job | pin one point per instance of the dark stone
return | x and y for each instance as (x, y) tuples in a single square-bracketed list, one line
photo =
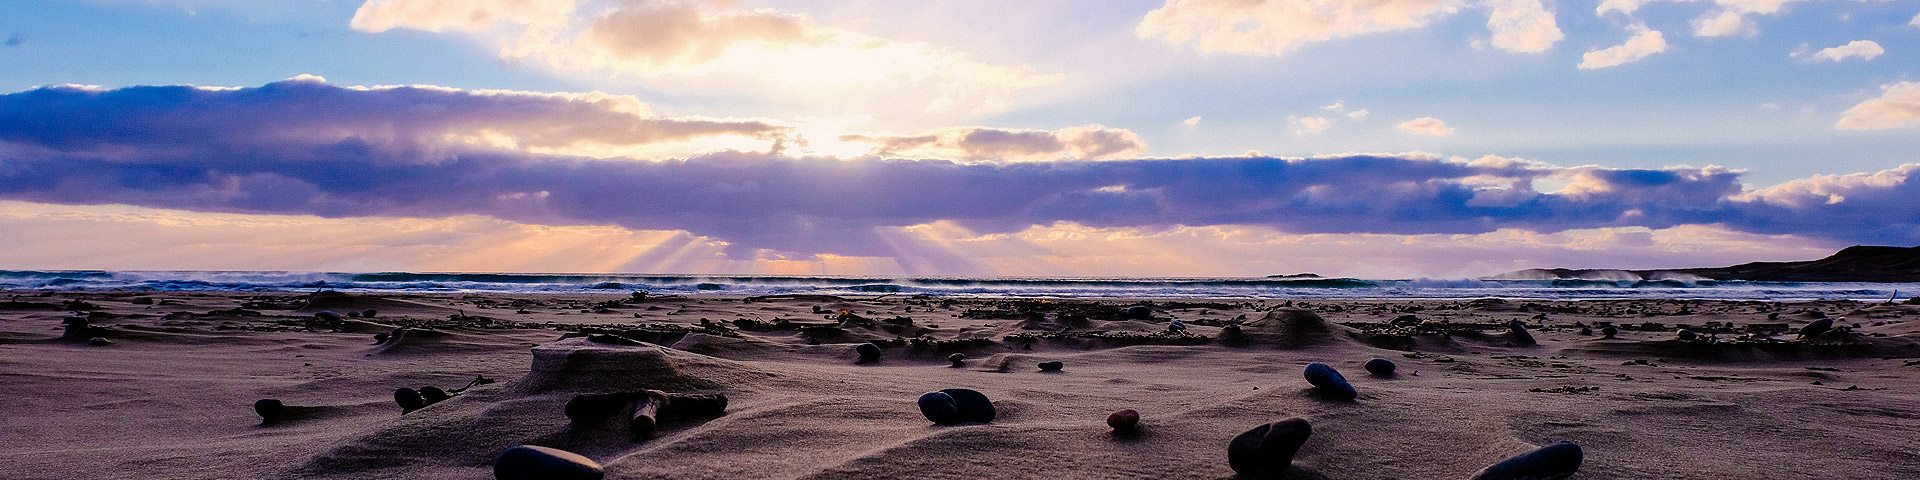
[(1609, 331), (1555, 461), (1268, 450), (958, 359), (1519, 331), (1816, 328), (956, 405), (940, 408), (1124, 420), (532, 462), (327, 315), (1139, 312), (1687, 335), (370, 313), (1177, 327), (270, 410), (1329, 382), (77, 328), (1380, 367), (1051, 366), (433, 395), (869, 353), (409, 400)]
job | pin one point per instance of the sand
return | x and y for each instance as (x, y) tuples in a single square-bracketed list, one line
[(172, 396)]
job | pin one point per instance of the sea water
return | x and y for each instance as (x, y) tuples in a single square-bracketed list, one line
[(1084, 287)]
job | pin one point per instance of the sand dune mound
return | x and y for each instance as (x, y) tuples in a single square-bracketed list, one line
[(1288, 328), (420, 341), (579, 364), (342, 303)]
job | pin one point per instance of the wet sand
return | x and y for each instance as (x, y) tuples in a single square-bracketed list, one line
[(171, 396)]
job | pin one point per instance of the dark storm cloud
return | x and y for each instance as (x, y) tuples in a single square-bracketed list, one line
[(309, 148)]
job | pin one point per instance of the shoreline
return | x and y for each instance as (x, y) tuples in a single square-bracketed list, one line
[(182, 369)]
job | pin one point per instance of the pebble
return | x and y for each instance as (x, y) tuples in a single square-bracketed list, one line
[(409, 400), (1688, 335), (369, 313), (1609, 331), (1816, 328), (1329, 382), (1177, 327), (958, 359), (1380, 367), (1123, 420), (269, 409), (1520, 335), (1268, 449), (533, 462), (956, 405), (1139, 312), (77, 327), (1051, 366), (327, 315), (1559, 460), (869, 353)]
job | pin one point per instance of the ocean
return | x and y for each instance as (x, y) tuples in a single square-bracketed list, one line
[(1103, 287)]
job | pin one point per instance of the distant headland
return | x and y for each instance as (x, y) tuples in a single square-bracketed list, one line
[(1851, 264)]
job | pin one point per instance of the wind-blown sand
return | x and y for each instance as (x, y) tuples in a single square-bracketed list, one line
[(172, 396)]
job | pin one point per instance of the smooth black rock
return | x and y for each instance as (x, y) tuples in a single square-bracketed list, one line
[(327, 315), (1329, 382), (1609, 331), (77, 328), (1816, 328), (1519, 331), (956, 405), (1551, 462), (869, 353), (1268, 450), (369, 313), (433, 395), (533, 462), (409, 400), (270, 410), (1380, 367), (1177, 326), (958, 359), (1139, 312), (1687, 335), (1052, 366)]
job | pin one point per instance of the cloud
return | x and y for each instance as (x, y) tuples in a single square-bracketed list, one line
[(305, 111), (14, 40), (469, 15), (1915, 21), (1358, 115), (1898, 106), (1191, 121), (1274, 27), (1309, 125), (1091, 142), (1865, 49), (1522, 26), (306, 148), (702, 47), (1729, 19), (1426, 126), (1724, 23), (1645, 42)]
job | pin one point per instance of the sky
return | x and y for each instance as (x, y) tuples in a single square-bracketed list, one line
[(1372, 139)]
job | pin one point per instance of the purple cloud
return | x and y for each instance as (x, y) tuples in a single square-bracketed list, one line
[(302, 147)]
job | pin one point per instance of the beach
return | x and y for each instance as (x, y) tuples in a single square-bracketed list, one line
[(157, 384)]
